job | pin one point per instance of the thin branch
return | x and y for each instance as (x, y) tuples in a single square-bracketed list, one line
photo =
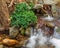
[(11, 3)]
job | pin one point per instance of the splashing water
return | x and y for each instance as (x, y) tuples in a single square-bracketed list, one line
[(49, 18), (37, 39), (42, 39), (32, 42), (55, 42), (56, 39)]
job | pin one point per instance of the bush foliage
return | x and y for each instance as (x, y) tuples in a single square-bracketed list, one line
[(23, 16)]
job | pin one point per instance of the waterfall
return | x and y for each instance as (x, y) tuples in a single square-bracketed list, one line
[(55, 42), (56, 39), (37, 39)]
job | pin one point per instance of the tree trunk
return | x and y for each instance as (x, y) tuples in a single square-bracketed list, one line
[(4, 15)]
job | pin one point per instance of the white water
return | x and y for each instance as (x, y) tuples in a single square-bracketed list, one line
[(55, 42), (56, 39), (49, 18), (37, 39), (42, 39), (32, 42)]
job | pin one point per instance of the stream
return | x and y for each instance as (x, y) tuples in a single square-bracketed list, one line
[(38, 38)]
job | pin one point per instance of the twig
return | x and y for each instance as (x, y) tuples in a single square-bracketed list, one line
[(11, 3)]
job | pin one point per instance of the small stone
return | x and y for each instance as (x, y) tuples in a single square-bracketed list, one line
[(13, 32), (28, 32)]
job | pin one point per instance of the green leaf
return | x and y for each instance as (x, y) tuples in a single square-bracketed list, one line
[(23, 16)]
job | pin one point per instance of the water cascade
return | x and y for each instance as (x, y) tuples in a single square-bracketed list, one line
[(55, 42), (37, 40)]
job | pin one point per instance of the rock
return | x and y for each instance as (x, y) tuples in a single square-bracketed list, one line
[(57, 23), (22, 39), (9, 42), (48, 2), (28, 31), (13, 32), (50, 25)]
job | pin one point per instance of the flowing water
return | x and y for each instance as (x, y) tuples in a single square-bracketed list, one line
[(56, 39), (38, 39), (55, 42)]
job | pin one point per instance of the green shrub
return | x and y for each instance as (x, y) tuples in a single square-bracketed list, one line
[(23, 16)]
